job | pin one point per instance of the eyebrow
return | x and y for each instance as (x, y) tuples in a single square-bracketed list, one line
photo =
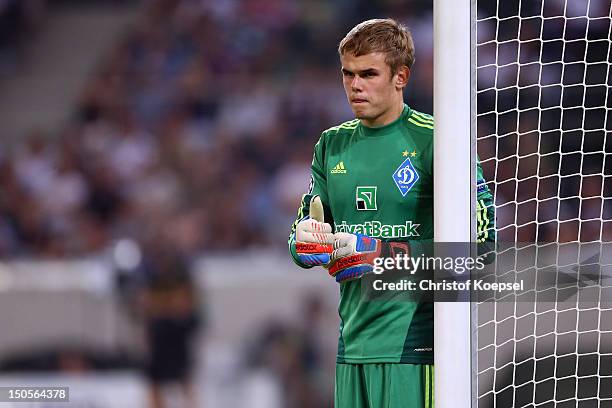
[(362, 72)]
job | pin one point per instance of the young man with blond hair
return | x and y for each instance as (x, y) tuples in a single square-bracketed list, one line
[(370, 196)]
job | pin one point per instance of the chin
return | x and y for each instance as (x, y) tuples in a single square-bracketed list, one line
[(360, 113)]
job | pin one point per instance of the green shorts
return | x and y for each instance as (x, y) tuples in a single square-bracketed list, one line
[(384, 386)]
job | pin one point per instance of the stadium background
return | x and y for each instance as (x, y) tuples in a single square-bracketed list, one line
[(142, 140), (154, 152)]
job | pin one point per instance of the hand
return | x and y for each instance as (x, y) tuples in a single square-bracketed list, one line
[(313, 236), (354, 255)]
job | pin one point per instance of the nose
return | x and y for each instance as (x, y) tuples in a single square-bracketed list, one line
[(356, 84)]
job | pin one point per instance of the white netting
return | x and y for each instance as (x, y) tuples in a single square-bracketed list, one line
[(543, 120)]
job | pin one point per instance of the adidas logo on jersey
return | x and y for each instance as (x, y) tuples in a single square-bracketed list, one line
[(339, 169)]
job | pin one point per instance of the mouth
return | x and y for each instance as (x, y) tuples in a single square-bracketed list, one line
[(358, 100)]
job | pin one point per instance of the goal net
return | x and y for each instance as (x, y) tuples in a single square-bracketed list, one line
[(542, 119)]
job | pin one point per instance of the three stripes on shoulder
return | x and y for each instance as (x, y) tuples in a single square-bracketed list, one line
[(421, 119), (351, 124)]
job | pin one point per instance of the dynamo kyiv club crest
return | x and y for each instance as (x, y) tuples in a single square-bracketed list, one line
[(405, 177)]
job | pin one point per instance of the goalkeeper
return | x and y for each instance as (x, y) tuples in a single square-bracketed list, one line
[(371, 194)]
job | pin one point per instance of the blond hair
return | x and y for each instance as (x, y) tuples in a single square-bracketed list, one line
[(386, 36)]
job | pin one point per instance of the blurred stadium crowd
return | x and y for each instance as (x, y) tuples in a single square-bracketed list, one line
[(197, 129)]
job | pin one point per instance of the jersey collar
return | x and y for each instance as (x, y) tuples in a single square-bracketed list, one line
[(388, 128)]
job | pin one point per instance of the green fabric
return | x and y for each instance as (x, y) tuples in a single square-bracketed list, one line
[(355, 171), (384, 386)]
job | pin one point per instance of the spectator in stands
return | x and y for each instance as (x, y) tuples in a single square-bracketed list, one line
[(170, 307)]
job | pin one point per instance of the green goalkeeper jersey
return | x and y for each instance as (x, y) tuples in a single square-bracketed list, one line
[(379, 182)]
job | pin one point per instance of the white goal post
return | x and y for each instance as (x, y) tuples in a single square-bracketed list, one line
[(454, 189)]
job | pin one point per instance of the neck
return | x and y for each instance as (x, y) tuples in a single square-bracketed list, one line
[(390, 115)]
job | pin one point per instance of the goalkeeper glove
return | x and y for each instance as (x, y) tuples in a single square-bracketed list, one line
[(314, 238), (354, 255)]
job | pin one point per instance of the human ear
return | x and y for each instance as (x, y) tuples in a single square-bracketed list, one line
[(402, 77)]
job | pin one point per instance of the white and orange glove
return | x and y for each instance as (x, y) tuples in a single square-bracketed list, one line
[(313, 236), (354, 255)]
